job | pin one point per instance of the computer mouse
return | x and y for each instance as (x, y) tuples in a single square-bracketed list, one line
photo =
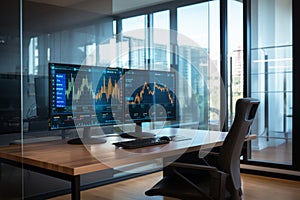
[(167, 138)]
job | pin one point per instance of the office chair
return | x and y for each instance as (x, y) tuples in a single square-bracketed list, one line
[(216, 176)]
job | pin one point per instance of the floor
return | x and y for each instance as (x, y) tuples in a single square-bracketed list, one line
[(276, 152), (254, 188)]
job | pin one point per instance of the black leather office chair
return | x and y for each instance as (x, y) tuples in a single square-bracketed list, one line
[(217, 176)]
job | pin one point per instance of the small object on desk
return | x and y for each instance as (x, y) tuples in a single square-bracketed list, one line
[(167, 138), (138, 143)]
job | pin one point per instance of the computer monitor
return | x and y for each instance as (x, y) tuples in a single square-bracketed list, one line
[(149, 97), (83, 97)]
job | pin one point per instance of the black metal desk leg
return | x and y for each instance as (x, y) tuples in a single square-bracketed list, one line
[(75, 187)]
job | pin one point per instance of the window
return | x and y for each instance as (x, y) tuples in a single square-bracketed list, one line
[(235, 57), (198, 63), (132, 52), (33, 56), (271, 79), (160, 46)]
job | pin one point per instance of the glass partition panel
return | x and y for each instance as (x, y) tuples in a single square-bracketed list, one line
[(161, 41), (76, 33), (271, 80), (58, 32), (235, 57), (11, 77), (198, 62), (134, 37)]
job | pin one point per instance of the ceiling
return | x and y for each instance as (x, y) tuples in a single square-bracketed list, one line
[(93, 6), (102, 6), (50, 15), (120, 6)]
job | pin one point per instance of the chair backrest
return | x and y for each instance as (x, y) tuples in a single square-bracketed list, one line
[(229, 159)]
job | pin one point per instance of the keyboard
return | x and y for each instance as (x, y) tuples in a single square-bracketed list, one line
[(138, 143)]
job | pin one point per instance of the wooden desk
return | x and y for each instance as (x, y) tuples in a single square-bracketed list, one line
[(68, 162)]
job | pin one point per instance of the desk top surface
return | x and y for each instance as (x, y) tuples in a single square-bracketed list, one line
[(80, 159)]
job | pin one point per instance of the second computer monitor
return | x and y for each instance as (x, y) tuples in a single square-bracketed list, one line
[(149, 96)]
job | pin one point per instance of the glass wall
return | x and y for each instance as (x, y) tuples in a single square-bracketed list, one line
[(271, 79), (134, 42), (192, 52), (10, 70), (161, 59), (198, 64), (270, 75), (11, 78), (79, 33), (235, 56), (32, 34)]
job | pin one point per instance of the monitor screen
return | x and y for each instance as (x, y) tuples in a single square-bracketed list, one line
[(84, 96), (109, 97), (150, 96)]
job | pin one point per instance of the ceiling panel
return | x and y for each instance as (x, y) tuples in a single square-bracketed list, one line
[(103, 6), (119, 6)]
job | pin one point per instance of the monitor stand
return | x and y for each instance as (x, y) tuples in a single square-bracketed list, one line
[(87, 138), (138, 133)]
